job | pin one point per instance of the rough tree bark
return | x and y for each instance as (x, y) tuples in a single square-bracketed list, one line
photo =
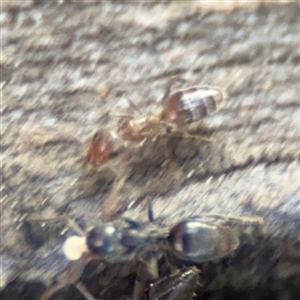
[(66, 66)]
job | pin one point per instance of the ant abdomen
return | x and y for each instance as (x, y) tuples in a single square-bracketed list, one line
[(197, 241), (192, 104)]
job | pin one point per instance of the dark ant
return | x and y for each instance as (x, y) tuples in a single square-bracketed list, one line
[(193, 241)]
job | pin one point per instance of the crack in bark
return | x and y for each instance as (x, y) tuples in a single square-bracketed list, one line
[(250, 163)]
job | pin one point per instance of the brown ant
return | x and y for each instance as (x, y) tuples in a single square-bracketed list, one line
[(179, 109)]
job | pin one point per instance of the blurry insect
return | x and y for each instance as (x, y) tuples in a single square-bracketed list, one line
[(179, 109), (193, 240)]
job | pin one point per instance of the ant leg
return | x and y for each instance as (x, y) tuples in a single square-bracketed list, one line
[(74, 273), (236, 220), (150, 212), (83, 290), (140, 284), (169, 85), (51, 291), (170, 164), (127, 116), (138, 290), (171, 266), (187, 135), (134, 145), (173, 131), (109, 208), (134, 106), (72, 278), (152, 266), (80, 287)]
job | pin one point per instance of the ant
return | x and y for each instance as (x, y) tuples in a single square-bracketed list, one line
[(192, 241), (179, 109)]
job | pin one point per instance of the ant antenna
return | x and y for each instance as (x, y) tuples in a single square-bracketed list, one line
[(169, 85), (134, 106), (150, 212)]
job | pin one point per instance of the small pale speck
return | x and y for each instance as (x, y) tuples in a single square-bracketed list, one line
[(190, 174), (74, 247), (51, 122), (209, 180)]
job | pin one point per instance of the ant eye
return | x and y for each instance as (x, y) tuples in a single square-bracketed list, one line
[(169, 130), (114, 154)]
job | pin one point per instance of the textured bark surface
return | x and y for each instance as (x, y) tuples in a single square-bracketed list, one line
[(65, 67)]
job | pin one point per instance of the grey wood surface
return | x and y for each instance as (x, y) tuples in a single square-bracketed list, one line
[(66, 67)]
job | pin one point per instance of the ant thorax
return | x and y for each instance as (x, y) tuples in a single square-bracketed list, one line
[(136, 130)]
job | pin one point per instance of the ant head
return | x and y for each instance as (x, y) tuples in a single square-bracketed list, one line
[(101, 149), (104, 240)]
